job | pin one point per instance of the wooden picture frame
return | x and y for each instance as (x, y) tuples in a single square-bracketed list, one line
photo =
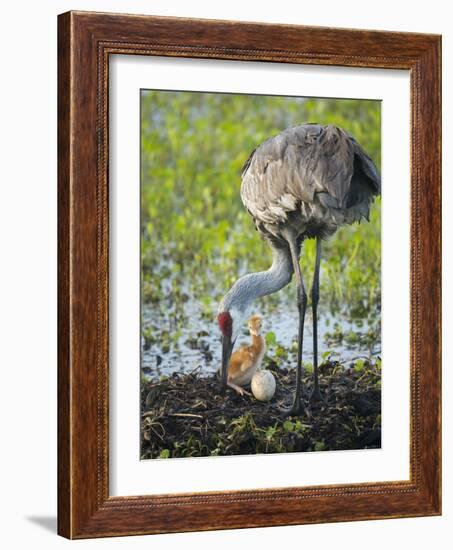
[(85, 42)]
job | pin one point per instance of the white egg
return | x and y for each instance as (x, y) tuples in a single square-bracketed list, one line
[(263, 385)]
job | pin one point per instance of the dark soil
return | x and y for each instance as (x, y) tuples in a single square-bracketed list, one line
[(185, 415)]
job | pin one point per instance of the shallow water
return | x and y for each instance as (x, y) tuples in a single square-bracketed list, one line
[(197, 346)]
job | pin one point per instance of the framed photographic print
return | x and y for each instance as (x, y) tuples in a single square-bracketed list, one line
[(249, 275)]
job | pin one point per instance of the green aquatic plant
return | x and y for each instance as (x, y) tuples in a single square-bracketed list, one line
[(195, 231)]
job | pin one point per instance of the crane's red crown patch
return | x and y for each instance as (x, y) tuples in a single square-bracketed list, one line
[(225, 323)]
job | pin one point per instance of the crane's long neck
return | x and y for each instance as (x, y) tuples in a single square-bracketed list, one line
[(254, 285)]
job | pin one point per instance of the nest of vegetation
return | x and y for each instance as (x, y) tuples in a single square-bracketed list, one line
[(185, 415)]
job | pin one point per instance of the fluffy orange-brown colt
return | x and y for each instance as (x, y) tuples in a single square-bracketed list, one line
[(247, 359)]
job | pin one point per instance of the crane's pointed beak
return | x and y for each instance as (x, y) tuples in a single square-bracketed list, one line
[(227, 348)]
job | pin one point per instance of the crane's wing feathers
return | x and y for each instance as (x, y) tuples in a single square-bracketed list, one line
[(306, 167)]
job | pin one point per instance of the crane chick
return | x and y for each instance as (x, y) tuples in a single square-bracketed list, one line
[(247, 359)]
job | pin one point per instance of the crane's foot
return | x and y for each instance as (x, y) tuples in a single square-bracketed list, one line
[(316, 396), (296, 409), (239, 389)]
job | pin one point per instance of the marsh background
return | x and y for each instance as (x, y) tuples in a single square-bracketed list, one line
[(197, 238)]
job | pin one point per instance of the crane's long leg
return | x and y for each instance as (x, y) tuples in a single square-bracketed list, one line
[(316, 394), (297, 406)]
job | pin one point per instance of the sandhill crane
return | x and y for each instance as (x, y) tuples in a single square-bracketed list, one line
[(302, 184)]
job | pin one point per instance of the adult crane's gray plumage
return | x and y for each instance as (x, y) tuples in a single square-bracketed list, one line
[(303, 183)]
